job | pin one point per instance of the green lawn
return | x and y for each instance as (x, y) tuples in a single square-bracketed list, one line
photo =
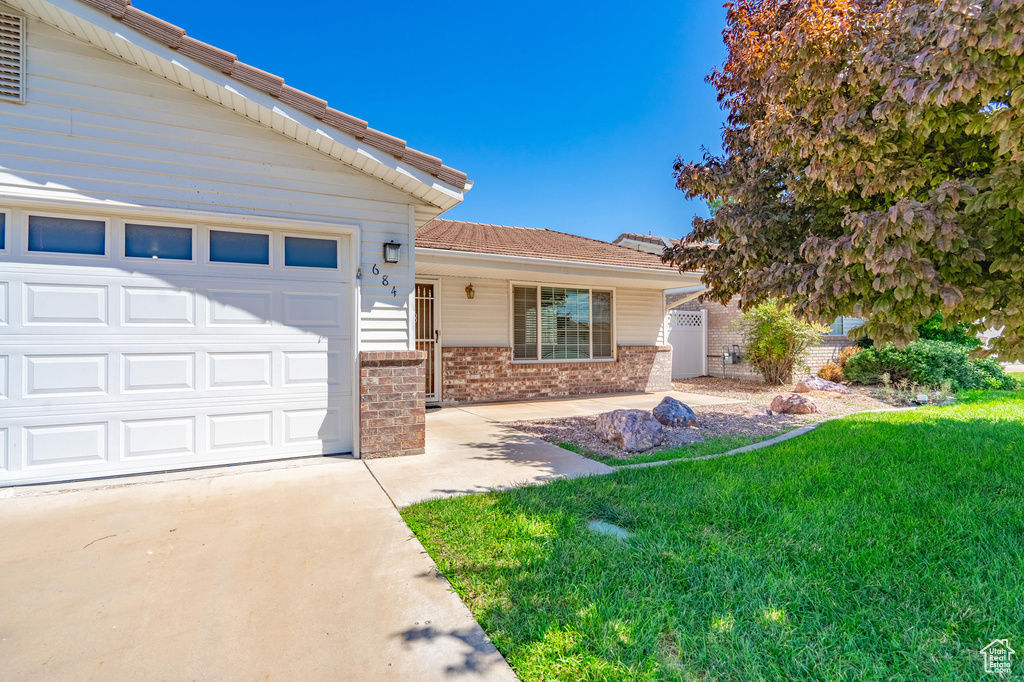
[(711, 446), (880, 546)]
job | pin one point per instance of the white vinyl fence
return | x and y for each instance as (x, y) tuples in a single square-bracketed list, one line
[(688, 336)]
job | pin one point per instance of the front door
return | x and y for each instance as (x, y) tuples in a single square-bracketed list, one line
[(428, 335)]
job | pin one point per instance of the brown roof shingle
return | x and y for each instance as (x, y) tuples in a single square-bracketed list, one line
[(175, 38), (531, 242)]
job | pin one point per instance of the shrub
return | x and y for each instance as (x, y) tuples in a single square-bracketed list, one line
[(960, 334), (776, 341), (929, 363), (833, 370)]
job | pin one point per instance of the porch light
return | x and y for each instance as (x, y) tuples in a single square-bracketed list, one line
[(392, 251), (469, 291)]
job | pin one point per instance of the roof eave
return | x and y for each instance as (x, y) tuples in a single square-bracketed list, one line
[(668, 277), (114, 37)]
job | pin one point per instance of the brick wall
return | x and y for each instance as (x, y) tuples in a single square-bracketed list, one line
[(392, 414), (487, 373), (723, 331)]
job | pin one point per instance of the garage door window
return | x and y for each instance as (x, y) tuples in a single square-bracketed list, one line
[(3, 231), (304, 252), (67, 235), (239, 247), (157, 241)]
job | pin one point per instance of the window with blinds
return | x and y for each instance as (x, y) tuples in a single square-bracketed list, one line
[(561, 323), (12, 62)]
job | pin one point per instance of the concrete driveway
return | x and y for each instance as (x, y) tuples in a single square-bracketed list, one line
[(299, 571)]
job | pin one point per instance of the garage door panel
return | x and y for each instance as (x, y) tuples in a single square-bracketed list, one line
[(65, 375), (239, 370), (320, 368), (232, 431), (144, 438), (5, 361), (65, 305), (82, 443), (311, 425), (158, 306), (4, 305), (309, 309), (150, 372), (238, 308)]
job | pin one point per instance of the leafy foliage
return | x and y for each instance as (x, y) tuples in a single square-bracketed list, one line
[(872, 165), (960, 334), (929, 363), (776, 340)]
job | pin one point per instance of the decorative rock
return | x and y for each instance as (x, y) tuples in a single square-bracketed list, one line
[(758, 412), (671, 412), (922, 398), (631, 430), (793, 403), (811, 383)]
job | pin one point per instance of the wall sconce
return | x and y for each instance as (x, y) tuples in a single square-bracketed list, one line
[(469, 292), (392, 251)]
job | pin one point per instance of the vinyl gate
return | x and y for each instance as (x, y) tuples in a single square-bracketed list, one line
[(688, 336)]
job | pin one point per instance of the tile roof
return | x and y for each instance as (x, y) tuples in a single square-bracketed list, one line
[(531, 242), (226, 62)]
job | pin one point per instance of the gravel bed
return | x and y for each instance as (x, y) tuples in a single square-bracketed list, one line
[(713, 420)]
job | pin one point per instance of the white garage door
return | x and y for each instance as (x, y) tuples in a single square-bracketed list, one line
[(133, 346)]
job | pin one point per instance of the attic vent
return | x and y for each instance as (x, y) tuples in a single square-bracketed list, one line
[(12, 63)]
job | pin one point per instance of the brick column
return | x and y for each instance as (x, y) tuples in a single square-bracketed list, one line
[(392, 407)]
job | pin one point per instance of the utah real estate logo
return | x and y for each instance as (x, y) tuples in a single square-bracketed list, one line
[(997, 657)]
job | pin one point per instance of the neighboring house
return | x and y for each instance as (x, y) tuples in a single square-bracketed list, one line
[(182, 238), (647, 243), (523, 313), (722, 333)]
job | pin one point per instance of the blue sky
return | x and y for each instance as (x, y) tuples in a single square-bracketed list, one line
[(566, 115)]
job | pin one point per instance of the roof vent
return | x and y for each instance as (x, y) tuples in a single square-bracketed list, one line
[(12, 62)]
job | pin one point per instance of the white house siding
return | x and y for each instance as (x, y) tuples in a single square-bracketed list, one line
[(95, 129), (640, 317), (482, 321)]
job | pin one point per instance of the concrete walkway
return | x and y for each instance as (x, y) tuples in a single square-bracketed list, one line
[(303, 571), (467, 453), (469, 450)]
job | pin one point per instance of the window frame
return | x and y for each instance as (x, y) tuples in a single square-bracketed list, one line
[(27, 215), (282, 249), (8, 232), (122, 236), (272, 250), (561, 285), (844, 333)]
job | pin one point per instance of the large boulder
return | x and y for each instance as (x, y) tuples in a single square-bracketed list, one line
[(671, 412), (812, 383), (631, 430), (793, 403)]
